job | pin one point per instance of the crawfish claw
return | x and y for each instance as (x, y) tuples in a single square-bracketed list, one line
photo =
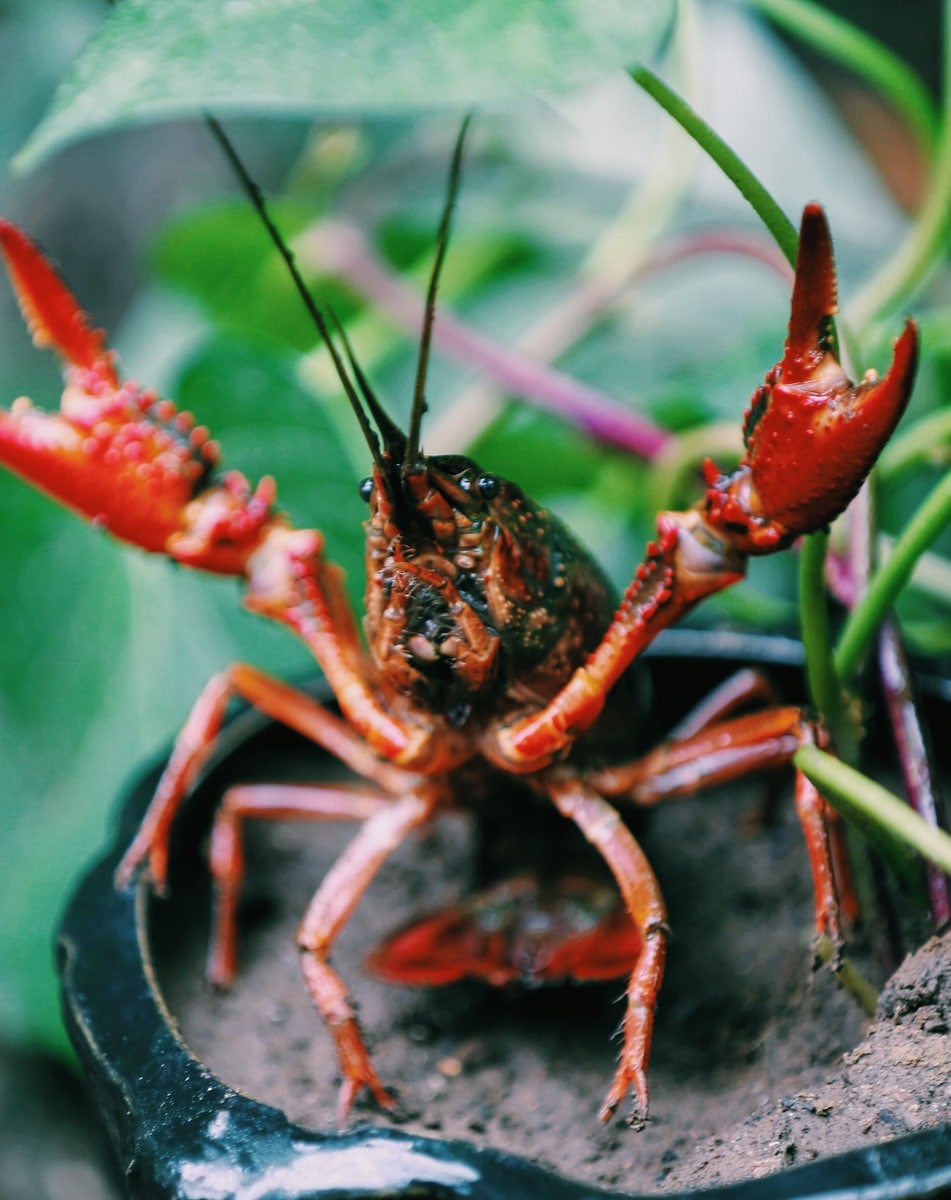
[(117, 453), (114, 452), (811, 435), (49, 309)]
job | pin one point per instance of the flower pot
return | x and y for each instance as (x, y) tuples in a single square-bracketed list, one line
[(217, 1096)]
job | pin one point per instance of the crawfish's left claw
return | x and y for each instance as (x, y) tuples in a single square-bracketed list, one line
[(811, 434), (117, 453), (114, 452), (50, 311)]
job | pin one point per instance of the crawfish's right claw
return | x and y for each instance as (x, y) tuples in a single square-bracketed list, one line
[(115, 453), (119, 454)]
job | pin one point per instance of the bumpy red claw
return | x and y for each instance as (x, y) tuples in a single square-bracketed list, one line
[(811, 435), (116, 453)]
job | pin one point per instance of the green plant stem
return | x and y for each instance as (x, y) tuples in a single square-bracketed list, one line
[(857, 795), (863, 55), (822, 678), (763, 204), (632, 237), (885, 585), (926, 246), (848, 975), (927, 442), (932, 573)]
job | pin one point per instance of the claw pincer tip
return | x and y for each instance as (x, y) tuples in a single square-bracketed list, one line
[(812, 435)]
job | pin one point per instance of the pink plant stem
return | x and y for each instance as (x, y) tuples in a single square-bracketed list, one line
[(721, 241), (914, 755), (847, 576), (342, 250), (840, 580)]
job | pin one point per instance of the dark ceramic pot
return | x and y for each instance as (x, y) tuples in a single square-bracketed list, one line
[(181, 1133)]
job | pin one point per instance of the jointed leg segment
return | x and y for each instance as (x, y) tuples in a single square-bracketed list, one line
[(729, 749), (195, 743), (335, 900), (270, 802), (386, 823), (602, 826)]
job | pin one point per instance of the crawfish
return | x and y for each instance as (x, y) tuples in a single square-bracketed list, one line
[(492, 642)]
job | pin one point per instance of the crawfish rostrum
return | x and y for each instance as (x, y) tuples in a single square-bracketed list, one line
[(491, 642)]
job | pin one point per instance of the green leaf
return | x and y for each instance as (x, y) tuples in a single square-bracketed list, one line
[(873, 808), (222, 257), (156, 59)]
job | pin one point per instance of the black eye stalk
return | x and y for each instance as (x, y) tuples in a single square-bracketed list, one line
[(483, 487), (488, 486)]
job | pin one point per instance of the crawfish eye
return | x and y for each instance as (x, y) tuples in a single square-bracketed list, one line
[(488, 486), (366, 488)]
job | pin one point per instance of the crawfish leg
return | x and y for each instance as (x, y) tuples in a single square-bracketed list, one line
[(811, 437), (334, 901), (738, 690), (728, 750), (825, 844), (269, 802), (602, 826), (685, 564), (196, 741)]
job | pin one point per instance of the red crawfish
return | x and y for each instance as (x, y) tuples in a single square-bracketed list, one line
[(492, 643)]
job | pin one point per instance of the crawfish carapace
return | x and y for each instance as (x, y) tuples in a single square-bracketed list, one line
[(478, 599), (491, 641)]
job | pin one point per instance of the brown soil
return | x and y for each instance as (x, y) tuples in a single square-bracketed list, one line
[(759, 1061)]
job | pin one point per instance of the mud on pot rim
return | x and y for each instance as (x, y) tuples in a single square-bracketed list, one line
[(180, 1133)]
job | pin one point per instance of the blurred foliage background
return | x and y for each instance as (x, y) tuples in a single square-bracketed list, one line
[(585, 226)]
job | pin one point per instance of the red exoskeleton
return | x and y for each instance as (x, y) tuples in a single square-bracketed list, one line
[(492, 643)]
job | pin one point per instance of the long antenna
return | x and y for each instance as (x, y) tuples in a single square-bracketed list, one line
[(393, 437), (257, 199), (422, 365)]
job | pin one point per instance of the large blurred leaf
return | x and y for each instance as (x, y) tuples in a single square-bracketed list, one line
[(162, 58), (221, 256)]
